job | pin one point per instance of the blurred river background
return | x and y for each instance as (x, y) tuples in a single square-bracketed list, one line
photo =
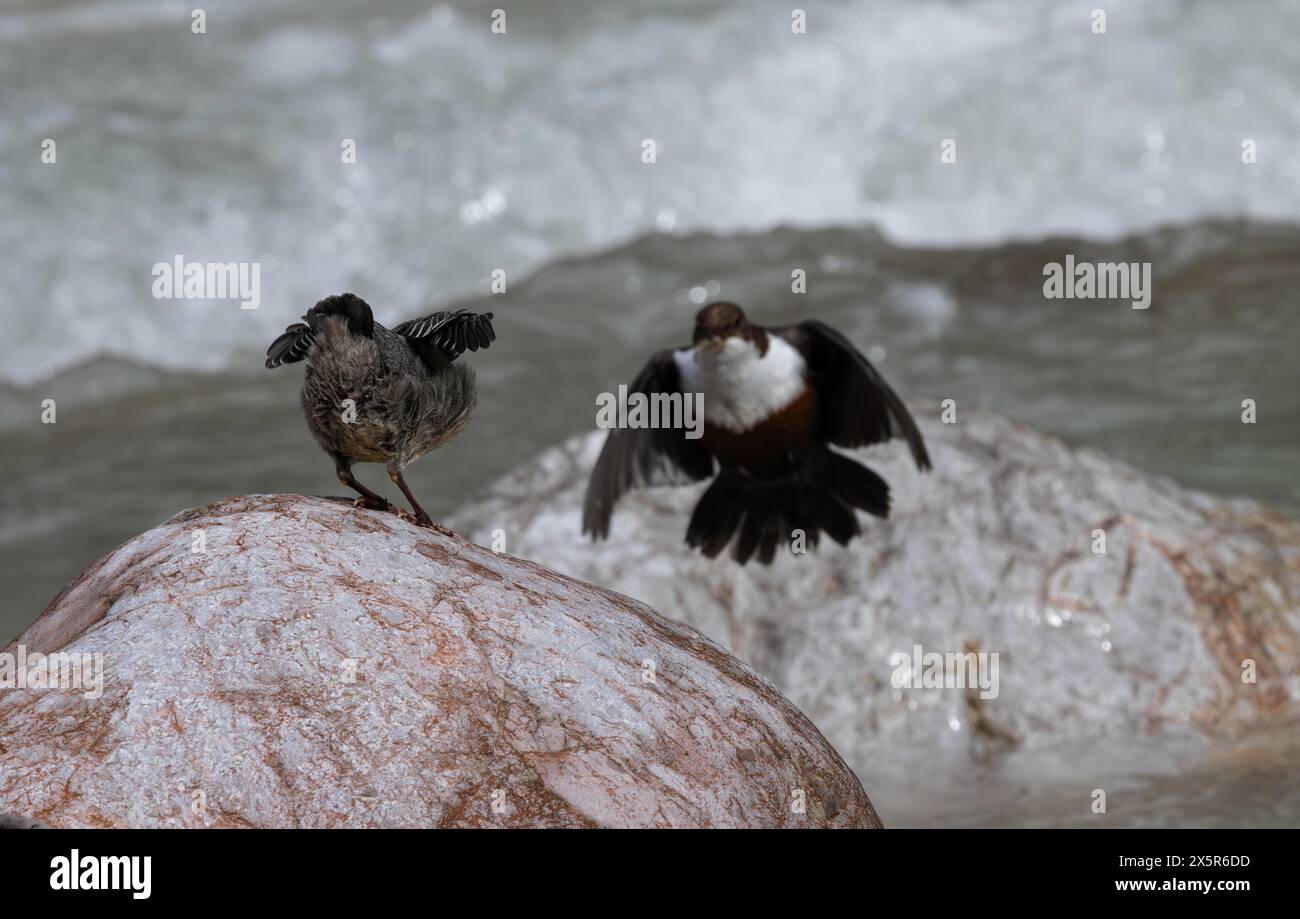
[(522, 152)]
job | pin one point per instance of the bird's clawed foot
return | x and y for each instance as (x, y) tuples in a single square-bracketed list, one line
[(424, 520), (377, 504), (422, 517), (419, 517)]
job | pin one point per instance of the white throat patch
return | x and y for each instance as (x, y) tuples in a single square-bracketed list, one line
[(742, 388)]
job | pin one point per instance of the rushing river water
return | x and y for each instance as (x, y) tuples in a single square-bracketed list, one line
[(1160, 388), (522, 152)]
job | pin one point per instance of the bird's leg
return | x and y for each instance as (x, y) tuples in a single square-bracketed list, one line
[(421, 516), (368, 498)]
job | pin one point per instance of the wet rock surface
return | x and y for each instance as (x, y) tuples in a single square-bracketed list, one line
[(294, 662), (1164, 650)]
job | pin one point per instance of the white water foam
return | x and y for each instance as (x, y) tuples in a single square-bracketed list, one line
[(479, 151)]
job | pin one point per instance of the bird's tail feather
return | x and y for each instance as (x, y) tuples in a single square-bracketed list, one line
[(762, 513)]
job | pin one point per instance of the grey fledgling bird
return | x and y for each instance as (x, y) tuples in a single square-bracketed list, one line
[(374, 395)]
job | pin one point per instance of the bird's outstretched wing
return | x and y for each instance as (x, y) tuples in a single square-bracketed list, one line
[(296, 341), (634, 456), (291, 347), (857, 406), (452, 332)]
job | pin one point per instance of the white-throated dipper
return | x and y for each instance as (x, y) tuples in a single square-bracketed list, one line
[(374, 395), (775, 400)]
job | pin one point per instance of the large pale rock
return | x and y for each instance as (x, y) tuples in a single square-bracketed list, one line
[(1110, 664), (314, 665)]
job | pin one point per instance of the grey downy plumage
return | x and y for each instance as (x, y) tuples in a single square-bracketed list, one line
[(375, 395)]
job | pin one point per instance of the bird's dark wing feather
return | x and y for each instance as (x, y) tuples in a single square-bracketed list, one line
[(291, 347), (857, 406), (295, 343), (633, 456), (452, 332)]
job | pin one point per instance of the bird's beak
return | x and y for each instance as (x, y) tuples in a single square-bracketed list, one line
[(710, 345)]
